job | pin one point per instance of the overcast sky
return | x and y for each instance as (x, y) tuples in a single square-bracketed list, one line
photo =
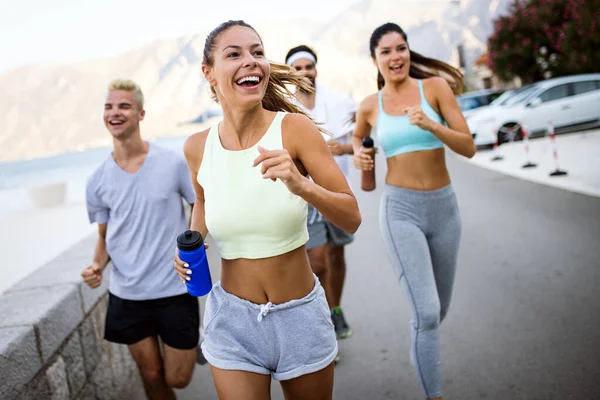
[(70, 30)]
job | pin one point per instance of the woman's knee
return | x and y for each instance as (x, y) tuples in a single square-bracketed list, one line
[(428, 319)]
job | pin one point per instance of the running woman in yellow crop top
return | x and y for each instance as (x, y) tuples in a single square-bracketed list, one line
[(268, 316), (419, 220)]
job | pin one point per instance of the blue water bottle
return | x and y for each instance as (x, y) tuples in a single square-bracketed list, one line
[(191, 250)]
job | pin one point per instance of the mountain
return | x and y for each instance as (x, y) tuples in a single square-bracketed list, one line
[(49, 109), (434, 29)]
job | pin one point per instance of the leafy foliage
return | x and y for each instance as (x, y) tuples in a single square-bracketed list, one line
[(546, 38)]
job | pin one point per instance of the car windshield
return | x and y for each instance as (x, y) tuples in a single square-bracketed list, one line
[(503, 98), (520, 95), (468, 103)]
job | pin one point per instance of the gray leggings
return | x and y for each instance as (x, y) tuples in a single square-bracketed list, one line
[(421, 231)]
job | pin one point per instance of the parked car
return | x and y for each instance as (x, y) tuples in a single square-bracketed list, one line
[(570, 103), (503, 98), (470, 101)]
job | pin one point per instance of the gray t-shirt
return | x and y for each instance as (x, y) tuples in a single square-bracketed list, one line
[(144, 214)]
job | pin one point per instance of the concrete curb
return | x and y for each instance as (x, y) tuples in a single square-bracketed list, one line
[(51, 336), (568, 186), (577, 153)]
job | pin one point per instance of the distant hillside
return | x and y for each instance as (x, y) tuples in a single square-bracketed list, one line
[(50, 109)]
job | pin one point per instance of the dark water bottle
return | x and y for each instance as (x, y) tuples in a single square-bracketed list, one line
[(191, 250), (367, 178)]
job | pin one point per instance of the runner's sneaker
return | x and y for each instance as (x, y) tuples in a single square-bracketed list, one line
[(336, 360), (342, 330)]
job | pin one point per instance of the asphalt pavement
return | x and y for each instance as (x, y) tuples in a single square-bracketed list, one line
[(524, 322)]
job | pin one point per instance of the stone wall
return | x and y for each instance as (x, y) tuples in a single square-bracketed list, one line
[(51, 336)]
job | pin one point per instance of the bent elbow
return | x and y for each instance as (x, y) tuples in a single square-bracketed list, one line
[(472, 151), (469, 151), (354, 222)]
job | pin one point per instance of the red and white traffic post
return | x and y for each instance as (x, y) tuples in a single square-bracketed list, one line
[(495, 155), (528, 164), (557, 171)]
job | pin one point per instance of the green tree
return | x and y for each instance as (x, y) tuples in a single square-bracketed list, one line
[(546, 38)]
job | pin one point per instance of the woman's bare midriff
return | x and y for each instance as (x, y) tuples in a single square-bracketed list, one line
[(419, 170), (276, 279)]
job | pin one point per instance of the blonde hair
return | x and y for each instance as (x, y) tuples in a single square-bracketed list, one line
[(278, 95), (129, 86)]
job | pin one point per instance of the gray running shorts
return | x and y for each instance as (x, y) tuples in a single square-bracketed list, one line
[(321, 231), (283, 340)]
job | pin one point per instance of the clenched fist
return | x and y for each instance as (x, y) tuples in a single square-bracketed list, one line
[(277, 164), (417, 117), (92, 276)]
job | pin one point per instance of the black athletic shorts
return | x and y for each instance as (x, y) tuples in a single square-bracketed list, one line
[(176, 320)]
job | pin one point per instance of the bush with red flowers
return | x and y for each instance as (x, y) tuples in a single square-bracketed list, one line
[(539, 39)]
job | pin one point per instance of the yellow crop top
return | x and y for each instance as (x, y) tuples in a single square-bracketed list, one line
[(248, 216)]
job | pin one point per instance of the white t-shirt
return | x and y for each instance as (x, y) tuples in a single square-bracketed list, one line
[(334, 110)]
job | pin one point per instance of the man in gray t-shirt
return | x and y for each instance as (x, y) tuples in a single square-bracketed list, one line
[(144, 214), (135, 197)]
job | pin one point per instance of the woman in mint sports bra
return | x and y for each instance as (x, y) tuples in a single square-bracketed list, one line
[(267, 317), (415, 115)]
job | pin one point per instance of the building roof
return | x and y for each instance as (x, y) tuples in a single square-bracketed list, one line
[(483, 59)]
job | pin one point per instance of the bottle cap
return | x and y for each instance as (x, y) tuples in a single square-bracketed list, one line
[(189, 240), (368, 143)]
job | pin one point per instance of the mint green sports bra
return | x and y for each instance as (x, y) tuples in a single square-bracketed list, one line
[(248, 216), (398, 136)]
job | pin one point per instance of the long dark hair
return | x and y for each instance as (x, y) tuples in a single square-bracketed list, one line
[(277, 96), (421, 67)]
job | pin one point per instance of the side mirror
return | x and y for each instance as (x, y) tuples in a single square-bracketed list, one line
[(536, 101)]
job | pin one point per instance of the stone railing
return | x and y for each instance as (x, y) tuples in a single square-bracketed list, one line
[(51, 336)]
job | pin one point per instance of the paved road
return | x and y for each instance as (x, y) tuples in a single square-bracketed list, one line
[(525, 318)]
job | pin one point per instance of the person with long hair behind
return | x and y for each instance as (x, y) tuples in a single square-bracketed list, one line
[(268, 315), (415, 115)]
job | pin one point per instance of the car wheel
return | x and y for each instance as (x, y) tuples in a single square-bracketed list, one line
[(509, 133)]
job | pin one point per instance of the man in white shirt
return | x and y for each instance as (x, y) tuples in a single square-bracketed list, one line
[(336, 112)]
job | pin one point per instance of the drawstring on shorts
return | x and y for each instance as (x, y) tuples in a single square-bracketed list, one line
[(264, 310)]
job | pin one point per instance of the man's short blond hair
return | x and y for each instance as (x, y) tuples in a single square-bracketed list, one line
[(129, 86)]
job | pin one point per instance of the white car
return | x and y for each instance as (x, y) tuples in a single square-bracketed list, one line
[(569, 103), (470, 102), (497, 102)]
